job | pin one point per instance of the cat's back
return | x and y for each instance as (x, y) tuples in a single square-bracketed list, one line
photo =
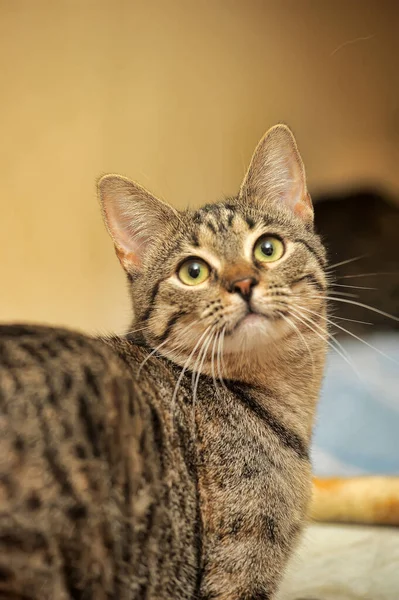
[(62, 381), (84, 460), (60, 417)]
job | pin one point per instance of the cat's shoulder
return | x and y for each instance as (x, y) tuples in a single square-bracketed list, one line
[(54, 348), (29, 344)]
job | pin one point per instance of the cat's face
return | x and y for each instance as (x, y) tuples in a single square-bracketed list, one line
[(238, 275)]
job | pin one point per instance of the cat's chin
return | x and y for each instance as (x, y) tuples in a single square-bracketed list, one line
[(253, 333)]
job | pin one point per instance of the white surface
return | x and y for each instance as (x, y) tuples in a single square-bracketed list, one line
[(344, 562)]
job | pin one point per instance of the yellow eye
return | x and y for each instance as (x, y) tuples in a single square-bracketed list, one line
[(193, 271), (268, 249)]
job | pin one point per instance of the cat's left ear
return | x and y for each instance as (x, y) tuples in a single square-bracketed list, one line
[(277, 174), (134, 218)]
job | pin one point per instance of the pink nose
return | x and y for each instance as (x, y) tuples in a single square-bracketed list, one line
[(244, 286)]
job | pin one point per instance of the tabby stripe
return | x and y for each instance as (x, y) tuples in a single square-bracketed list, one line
[(91, 381), (47, 348), (189, 456), (26, 540), (195, 240), (72, 575), (207, 208), (270, 528), (64, 341), (52, 456), (153, 295), (250, 222), (89, 424), (144, 536), (319, 259), (186, 449), (142, 540), (38, 356), (211, 226), (33, 353), (171, 322), (222, 227), (17, 330), (287, 437), (158, 436)]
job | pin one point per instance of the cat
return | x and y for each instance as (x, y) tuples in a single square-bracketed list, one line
[(172, 462)]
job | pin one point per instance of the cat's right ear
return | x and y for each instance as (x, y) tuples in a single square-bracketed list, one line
[(134, 218), (277, 174)]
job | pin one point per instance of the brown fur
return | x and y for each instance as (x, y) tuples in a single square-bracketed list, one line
[(172, 462)]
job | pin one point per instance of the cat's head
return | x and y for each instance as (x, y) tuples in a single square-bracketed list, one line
[(243, 273)]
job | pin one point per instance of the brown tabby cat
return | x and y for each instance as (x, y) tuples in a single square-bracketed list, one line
[(173, 462)]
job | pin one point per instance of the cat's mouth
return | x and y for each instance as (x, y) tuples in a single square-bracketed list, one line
[(253, 330), (250, 319), (253, 321)]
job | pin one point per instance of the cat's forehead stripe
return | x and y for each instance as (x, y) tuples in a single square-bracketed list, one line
[(219, 218)]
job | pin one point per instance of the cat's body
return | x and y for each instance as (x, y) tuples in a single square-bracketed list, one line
[(96, 482), (113, 480), (131, 475)]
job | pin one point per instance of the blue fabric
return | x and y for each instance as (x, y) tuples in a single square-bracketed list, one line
[(357, 429)]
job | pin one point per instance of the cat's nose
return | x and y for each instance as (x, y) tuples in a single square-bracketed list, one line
[(244, 286)]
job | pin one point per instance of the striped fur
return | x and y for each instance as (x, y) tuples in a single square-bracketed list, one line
[(172, 462)]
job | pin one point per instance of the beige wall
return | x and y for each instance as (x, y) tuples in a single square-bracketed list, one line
[(174, 94)]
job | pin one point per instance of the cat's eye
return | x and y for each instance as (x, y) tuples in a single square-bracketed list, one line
[(268, 249), (193, 271)]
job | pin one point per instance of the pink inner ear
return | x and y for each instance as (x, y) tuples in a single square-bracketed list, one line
[(134, 218), (304, 211), (127, 246), (127, 258), (296, 195)]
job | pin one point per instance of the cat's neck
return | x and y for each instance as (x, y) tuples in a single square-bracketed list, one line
[(287, 374), (288, 382)]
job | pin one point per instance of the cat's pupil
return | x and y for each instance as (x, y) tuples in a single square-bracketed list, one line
[(194, 270), (267, 248)]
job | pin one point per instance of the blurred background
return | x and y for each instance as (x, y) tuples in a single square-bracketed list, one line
[(176, 95)]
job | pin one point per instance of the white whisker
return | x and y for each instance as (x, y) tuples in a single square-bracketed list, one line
[(220, 363), (345, 262), (200, 362), (186, 366), (353, 320), (213, 363), (356, 337), (300, 335), (371, 308), (347, 294), (151, 354), (364, 275), (174, 346), (331, 335), (341, 353), (353, 287)]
